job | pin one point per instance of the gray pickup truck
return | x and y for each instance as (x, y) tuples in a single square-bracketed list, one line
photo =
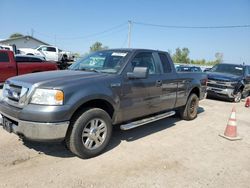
[(124, 87)]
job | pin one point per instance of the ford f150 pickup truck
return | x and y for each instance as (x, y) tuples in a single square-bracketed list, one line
[(13, 66), (229, 81), (125, 87)]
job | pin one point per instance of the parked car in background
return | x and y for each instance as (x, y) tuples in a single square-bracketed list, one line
[(183, 68), (6, 47), (12, 66), (229, 81), (125, 87), (51, 53), (207, 69)]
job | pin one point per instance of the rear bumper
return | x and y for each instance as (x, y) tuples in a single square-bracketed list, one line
[(36, 130)]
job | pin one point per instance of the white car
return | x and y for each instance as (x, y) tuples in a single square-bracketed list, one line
[(51, 53)]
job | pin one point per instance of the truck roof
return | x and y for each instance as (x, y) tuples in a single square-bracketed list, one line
[(235, 64), (133, 49)]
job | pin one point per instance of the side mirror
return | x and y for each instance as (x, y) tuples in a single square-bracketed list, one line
[(138, 73)]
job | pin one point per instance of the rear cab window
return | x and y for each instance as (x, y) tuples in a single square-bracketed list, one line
[(51, 49), (20, 59), (165, 63), (4, 57)]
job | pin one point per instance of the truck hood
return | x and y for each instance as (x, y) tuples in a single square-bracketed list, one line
[(51, 79), (223, 76), (30, 51)]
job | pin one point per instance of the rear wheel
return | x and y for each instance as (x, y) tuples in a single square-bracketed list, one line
[(189, 111), (90, 133)]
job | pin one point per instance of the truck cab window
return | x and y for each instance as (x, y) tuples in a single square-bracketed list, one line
[(165, 63), (21, 59), (43, 49), (51, 49), (145, 59), (4, 58)]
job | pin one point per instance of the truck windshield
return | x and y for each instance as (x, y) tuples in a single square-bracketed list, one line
[(227, 68), (109, 61)]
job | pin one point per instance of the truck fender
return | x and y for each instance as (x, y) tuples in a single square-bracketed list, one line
[(90, 98), (239, 87)]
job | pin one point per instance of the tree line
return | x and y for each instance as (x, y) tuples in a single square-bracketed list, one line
[(181, 56)]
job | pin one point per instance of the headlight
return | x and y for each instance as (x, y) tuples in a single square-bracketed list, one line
[(47, 97)]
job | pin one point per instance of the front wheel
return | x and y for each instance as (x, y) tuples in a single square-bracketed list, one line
[(189, 111), (90, 133), (238, 97)]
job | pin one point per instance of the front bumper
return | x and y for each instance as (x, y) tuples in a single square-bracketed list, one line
[(223, 93), (34, 130)]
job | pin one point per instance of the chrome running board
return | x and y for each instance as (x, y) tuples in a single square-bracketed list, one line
[(138, 123)]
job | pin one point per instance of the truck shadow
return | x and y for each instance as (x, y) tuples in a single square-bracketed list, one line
[(59, 149), (49, 148), (218, 99)]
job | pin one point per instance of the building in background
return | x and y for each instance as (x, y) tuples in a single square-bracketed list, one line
[(23, 42)]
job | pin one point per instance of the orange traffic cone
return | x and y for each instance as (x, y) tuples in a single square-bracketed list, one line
[(247, 104), (231, 129)]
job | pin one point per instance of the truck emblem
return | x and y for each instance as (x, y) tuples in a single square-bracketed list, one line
[(13, 94)]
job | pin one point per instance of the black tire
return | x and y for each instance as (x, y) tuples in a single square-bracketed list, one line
[(78, 143), (237, 97), (189, 111)]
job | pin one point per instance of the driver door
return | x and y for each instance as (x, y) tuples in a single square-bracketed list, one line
[(50, 53), (140, 97)]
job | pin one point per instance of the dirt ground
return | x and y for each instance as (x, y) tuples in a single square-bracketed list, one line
[(167, 153)]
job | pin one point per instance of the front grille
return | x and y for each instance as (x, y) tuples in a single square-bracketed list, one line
[(13, 92), (219, 80), (217, 86)]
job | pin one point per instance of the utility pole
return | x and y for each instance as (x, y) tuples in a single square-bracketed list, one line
[(129, 32)]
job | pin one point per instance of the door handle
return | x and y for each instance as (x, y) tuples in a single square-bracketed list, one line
[(158, 83)]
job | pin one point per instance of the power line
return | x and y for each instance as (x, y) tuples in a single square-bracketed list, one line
[(192, 27), (112, 33), (85, 36), (95, 34), (125, 40)]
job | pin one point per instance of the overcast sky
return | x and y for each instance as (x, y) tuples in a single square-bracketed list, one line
[(75, 25)]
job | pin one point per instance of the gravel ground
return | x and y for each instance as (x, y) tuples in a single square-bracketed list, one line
[(167, 153)]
